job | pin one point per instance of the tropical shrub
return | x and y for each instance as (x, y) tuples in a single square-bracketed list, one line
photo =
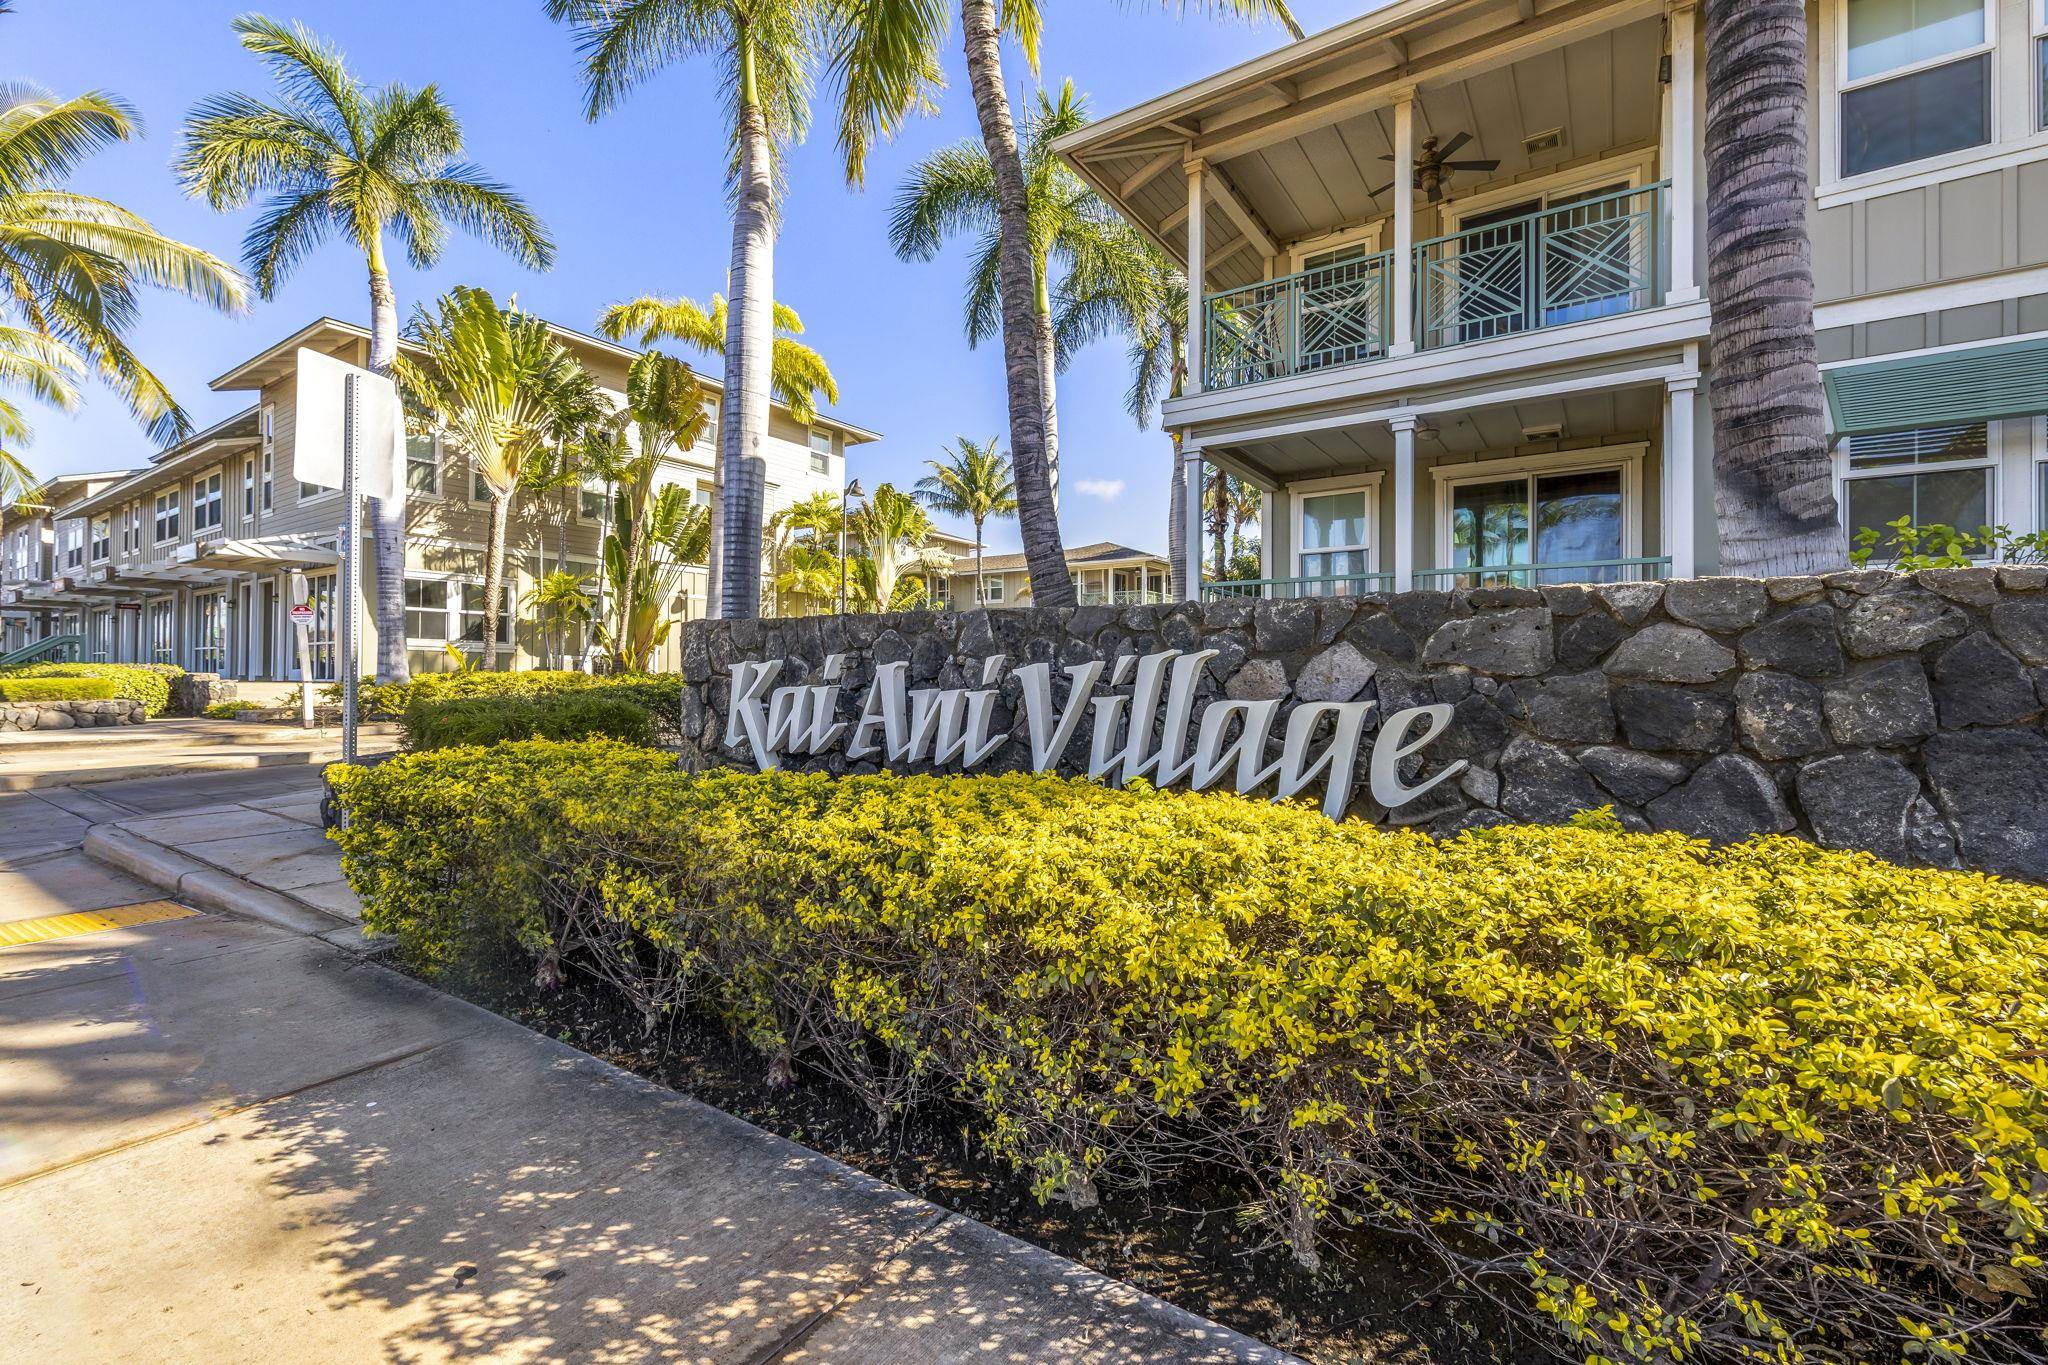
[(1905, 547), (444, 723), (149, 684), (1767, 1102), (229, 710), (660, 695), (56, 689)]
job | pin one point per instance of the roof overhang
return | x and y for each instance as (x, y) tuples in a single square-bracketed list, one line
[(218, 441), (256, 556)]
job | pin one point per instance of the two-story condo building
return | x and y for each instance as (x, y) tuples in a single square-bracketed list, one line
[(1103, 574), (1451, 312), (197, 559), (43, 554)]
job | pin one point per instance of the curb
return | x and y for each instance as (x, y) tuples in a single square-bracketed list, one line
[(22, 782), (209, 888)]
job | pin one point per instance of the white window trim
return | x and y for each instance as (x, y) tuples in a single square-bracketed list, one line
[(2037, 510), (176, 509), (101, 549), (1367, 234), (510, 623), (1298, 493), (1634, 169), (1844, 475), (1628, 458), (2037, 37), (450, 611), (195, 497), (1831, 187)]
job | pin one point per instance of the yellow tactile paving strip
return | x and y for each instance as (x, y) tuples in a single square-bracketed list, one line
[(18, 932)]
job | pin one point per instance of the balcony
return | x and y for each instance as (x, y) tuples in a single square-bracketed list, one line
[(1096, 598), (1445, 580), (1594, 258)]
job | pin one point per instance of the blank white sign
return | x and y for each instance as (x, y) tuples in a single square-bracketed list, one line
[(318, 456)]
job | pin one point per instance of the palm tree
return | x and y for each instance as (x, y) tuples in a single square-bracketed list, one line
[(973, 481), (71, 267), (1150, 304), (558, 601), (798, 376), (768, 51), (1774, 482), (494, 379), (1025, 360), (335, 159), (809, 573), (894, 533), (636, 621)]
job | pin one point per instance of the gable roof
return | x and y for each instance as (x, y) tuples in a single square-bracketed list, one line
[(1080, 556)]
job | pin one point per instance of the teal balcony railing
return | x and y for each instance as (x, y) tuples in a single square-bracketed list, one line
[(1533, 575), (1129, 598), (1336, 585), (1576, 262), (1594, 258), (1332, 315)]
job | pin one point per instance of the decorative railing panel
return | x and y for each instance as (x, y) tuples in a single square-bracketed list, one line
[(1332, 315), (1271, 589), (1535, 575)]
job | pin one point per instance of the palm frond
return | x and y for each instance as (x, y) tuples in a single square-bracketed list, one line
[(952, 190), (490, 212), (310, 71), (885, 62), (799, 376), (649, 319), (43, 139), (623, 42), (235, 146)]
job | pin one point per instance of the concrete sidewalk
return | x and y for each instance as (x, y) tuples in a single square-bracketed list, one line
[(41, 760), (223, 1139)]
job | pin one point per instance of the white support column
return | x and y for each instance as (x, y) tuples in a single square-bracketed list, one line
[(1681, 483), (1197, 282), (1682, 141), (1403, 340), (1404, 503), (1191, 534)]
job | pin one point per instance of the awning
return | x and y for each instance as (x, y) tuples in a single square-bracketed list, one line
[(1969, 384), (256, 555)]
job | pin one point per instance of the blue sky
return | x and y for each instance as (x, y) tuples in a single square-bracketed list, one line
[(636, 203)]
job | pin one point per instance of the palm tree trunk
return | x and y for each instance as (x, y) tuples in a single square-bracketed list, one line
[(749, 340), (387, 518), (1037, 508), (977, 562), (1219, 523), (494, 574), (1774, 484)]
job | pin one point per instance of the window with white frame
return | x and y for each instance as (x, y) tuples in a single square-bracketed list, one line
[(1928, 476), (821, 451), (161, 632), (74, 545), (320, 595), (473, 600), (1569, 519), (422, 464), (1915, 80), (2040, 426), (164, 517), (591, 498), (102, 539), (206, 502), (479, 487), (269, 464), (1334, 536), (426, 611), (248, 490), (992, 589), (2040, 63), (210, 632)]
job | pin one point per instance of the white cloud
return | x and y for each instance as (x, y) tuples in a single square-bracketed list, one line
[(1109, 490)]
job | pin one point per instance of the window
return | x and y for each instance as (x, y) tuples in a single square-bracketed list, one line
[(1570, 517), (422, 465), (592, 501), (101, 639), (473, 615), (166, 519), (1933, 475), (479, 487), (426, 611), (992, 589), (1916, 80), (161, 641), (248, 490), (266, 480), (102, 539), (74, 546), (2041, 65), (206, 502), (210, 633), (702, 496), (1334, 538), (320, 595), (821, 451)]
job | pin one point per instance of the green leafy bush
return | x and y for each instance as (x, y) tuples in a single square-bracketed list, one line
[(1906, 547), (1768, 1102), (229, 710), (433, 723), (660, 695), (149, 684), (56, 689)]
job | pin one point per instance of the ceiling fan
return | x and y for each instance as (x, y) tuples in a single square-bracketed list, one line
[(1433, 166)]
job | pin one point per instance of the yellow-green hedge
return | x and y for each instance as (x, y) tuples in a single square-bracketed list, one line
[(149, 684), (56, 689), (658, 694), (1770, 1102)]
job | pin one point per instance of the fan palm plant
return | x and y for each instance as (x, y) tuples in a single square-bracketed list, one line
[(638, 591), (894, 532), (495, 380), (1150, 305), (1773, 476), (332, 158), (559, 600), (72, 266), (809, 576), (974, 481), (1027, 363), (769, 52)]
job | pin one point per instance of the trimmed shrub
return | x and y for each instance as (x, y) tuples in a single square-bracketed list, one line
[(56, 689), (432, 723), (1762, 1102), (660, 695), (229, 710), (149, 684)]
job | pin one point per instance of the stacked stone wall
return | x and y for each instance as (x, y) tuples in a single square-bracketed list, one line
[(1906, 715), (68, 715)]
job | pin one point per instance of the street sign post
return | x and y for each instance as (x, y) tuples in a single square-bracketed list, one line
[(349, 432), (302, 628)]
